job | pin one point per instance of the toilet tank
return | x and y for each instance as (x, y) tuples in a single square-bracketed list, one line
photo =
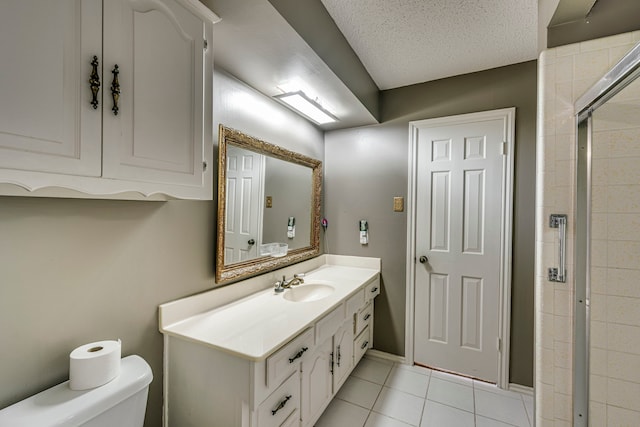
[(121, 402)]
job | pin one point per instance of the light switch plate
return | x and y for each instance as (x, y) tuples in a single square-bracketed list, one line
[(398, 204)]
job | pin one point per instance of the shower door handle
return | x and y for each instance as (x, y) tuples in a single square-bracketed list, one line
[(559, 274)]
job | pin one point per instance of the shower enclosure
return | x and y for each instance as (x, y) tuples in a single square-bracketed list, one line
[(606, 384)]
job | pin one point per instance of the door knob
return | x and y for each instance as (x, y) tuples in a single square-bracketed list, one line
[(251, 242), (423, 259)]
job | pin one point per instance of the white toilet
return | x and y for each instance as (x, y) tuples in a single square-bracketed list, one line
[(121, 402)]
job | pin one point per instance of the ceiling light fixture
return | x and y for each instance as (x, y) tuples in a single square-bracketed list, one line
[(306, 106)]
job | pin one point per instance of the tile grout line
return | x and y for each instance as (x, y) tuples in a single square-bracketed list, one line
[(428, 377)]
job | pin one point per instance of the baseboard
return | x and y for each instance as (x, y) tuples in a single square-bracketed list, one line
[(377, 354), (523, 389)]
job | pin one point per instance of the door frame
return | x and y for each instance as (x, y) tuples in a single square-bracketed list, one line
[(506, 230)]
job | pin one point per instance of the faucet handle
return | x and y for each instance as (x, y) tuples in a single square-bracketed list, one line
[(298, 276), (279, 286)]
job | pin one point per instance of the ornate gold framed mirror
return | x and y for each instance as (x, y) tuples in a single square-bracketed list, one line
[(268, 206)]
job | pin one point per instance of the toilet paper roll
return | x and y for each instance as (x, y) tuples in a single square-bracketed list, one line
[(94, 364)]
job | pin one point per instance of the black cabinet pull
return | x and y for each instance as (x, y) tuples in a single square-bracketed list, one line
[(281, 405), (364, 345), (115, 90), (94, 82), (298, 354)]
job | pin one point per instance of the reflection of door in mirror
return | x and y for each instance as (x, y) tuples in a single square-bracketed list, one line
[(245, 190)]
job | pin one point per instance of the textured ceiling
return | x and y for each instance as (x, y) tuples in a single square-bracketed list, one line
[(403, 42)]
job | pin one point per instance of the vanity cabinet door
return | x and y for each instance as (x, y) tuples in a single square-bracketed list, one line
[(342, 354), (316, 382), (47, 122), (159, 132)]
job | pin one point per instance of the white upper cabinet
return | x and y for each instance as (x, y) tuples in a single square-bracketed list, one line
[(46, 121), (53, 134)]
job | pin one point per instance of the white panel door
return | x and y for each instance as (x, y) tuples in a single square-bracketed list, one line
[(243, 209), (47, 122), (458, 229), (157, 133)]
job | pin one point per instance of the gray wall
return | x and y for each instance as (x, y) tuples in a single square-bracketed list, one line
[(366, 167), (290, 186), (76, 271), (606, 18)]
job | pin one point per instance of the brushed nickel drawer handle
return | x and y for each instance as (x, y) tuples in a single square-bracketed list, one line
[(367, 316), (364, 345), (374, 289)]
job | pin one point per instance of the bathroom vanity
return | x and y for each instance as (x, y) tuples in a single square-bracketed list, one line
[(268, 358)]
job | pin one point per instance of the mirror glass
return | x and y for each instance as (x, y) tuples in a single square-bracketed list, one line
[(268, 206)]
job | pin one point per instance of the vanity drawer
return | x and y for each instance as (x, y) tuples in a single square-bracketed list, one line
[(282, 403), (363, 317), (329, 324), (286, 360), (372, 290), (293, 420), (361, 344), (355, 302)]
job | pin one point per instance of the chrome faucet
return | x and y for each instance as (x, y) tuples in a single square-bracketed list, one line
[(283, 284)]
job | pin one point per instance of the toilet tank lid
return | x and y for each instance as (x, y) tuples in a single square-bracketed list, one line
[(59, 406)]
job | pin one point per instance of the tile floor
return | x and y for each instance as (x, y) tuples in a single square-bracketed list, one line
[(380, 393)]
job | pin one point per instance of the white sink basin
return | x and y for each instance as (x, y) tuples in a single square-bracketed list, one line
[(308, 292)]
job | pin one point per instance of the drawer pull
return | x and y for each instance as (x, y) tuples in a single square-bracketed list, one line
[(339, 356), (364, 345), (374, 289), (298, 354), (281, 405), (367, 316)]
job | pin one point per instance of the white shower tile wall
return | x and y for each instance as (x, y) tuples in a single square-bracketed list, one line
[(565, 73)]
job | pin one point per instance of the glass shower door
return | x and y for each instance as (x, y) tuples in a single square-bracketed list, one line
[(607, 306)]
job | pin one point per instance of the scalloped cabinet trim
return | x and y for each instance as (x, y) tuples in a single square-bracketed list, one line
[(112, 102)]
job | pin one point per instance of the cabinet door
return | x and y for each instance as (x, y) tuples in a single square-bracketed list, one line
[(162, 128), (342, 354), (316, 383), (47, 122)]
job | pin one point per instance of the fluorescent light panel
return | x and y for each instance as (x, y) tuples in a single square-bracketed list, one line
[(307, 107)]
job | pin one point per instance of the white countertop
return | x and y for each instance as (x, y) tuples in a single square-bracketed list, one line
[(257, 325)]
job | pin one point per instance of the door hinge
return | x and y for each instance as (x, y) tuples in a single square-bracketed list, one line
[(504, 148), (499, 344)]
